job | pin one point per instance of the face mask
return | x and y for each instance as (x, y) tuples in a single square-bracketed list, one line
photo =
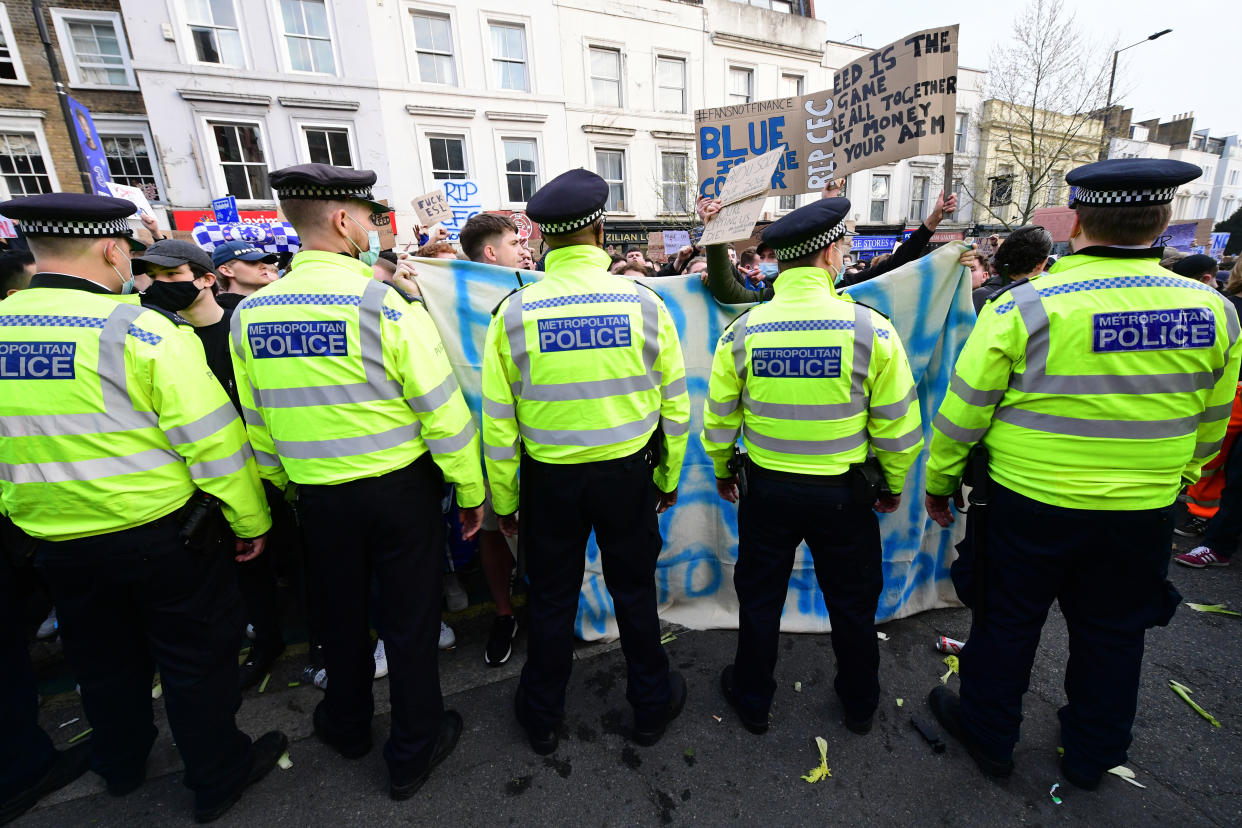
[(769, 269), (171, 296), (371, 255), (127, 285)]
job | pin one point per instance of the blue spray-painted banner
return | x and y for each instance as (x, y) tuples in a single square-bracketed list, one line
[(929, 303)]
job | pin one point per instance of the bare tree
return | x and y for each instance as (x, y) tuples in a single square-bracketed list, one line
[(1046, 87)]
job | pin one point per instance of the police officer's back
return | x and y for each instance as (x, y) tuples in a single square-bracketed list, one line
[(1098, 390), (813, 383), (348, 392), (583, 375), (111, 421)]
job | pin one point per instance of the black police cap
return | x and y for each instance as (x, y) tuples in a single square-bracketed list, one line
[(569, 202), (324, 182), (808, 229), (72, 215), (1129, 182)]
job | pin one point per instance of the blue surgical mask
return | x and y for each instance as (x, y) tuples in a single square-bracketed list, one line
[(371, 255), (769, 269), (127, 285)]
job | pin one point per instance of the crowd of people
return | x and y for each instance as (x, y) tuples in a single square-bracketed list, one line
[(231, 403)]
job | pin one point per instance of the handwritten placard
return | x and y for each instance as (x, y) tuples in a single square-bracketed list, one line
[(675, 240), (655, 247), (133, 195), (432, 208), (464, 201), (736, 220)]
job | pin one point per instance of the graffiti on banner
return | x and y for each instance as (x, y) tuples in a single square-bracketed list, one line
[(896, 102), (464, 201)]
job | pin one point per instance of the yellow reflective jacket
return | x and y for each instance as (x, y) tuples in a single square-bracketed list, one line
[(340, 379), (812, 381), (110, 418), (581, 366), (1102, 385)]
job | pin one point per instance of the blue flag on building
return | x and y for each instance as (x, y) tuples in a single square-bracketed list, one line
[(92, 147)]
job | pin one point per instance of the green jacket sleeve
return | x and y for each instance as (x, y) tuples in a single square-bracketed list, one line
[(501, 449), (721, 284), (674, 404), (894, 420), (722, 411), (202, 425), (1218, 406), (432, 393), (270, 467)]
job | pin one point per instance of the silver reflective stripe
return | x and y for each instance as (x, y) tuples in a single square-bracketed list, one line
[(586, 390), (739, 347), (358, 392), (800, 411), (807, 447), (113, 377), (651, 327), (1035, 318), (861, 366), (1071, 384), (204, 426), (1118, 429), (436, 397), (673, 428), (906, 441), (225, 465), (1231, 323), (969, 394), (499, 452), (1217, 412), (591, 438), (70, 471), (897, 410), (265, 459), (1203, 450), (953, 431), (67, 425), (674, 389), (346, 446), (724, 409), (370, 333), (252, 417), (235, 330), (498, 410), (448, 445), (721, 435), (516, 333)]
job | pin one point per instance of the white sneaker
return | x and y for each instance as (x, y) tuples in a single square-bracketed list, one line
[(321, 678), (448, 639), (455, 597), (250, 631), (381, 660), (48, 628)]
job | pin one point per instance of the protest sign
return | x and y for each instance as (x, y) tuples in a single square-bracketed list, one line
[(464, 201), (1058, 221), (1219, 242), (225, 209), (432, 208), (736, 220), (9, 231), (675, 240), (894, 103), (655, 247), (1178, 236), (134, 195)]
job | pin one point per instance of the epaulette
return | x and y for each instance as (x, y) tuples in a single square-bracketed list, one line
[(407, 297), (875, 310), (1006, 288), (175, 318), (507, 295)]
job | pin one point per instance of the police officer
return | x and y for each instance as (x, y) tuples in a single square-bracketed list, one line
[(346, 391), (583, 378), (110, 422), (813, 382), (1098, 391)]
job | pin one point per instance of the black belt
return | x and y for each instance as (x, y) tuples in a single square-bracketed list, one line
[(843, 479)]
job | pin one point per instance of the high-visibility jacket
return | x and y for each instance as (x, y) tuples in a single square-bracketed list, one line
[(341, 379), (1104, 384), (109, 417), (812, 381), (581, 366)]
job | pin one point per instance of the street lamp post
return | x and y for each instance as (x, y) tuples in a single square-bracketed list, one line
[(1108, 107)]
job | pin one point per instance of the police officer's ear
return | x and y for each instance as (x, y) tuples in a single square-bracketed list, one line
[(599, 233)]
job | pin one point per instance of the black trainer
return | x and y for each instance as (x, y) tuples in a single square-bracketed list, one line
[(751, 722), (258, 664), (1192, 527), (947, 708), (67, 766), (403, 784), (649, 732), (543, 740), (1080, 780), (350, 750), (500, 641), (860, 726), (264, 754)]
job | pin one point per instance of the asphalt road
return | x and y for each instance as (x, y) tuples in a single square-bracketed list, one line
[(711, 771)]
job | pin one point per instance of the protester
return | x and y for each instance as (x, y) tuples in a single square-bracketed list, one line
[(678, 265), (16, 268), (1199, 267), (1022, 255), (243, 269)]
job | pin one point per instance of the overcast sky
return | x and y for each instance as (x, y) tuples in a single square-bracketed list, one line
[(1192, 69)]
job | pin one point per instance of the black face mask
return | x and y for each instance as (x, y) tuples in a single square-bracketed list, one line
[(171, 296)]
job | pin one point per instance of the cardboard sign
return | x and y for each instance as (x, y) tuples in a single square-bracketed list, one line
[(656, 250), (897, 102), (383, 222), (432, 208), (1058, 221), (737, 220), (133, 195)]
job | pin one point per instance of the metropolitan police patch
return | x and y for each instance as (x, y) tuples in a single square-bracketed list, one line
[(807, 363), (297, 339), (581, 333), (1154, 330), (37, 360)]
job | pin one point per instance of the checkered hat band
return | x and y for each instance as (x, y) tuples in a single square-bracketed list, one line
[(569, 226), (1134, 197), (812, 244), (325, 192), (87, 229)]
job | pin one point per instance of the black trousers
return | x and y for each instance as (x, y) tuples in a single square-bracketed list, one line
[(128, 601), (1225, 527), (1107, 570), (561, 504), (256, 579), (844, 538), (26, 752), (389, 526)]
